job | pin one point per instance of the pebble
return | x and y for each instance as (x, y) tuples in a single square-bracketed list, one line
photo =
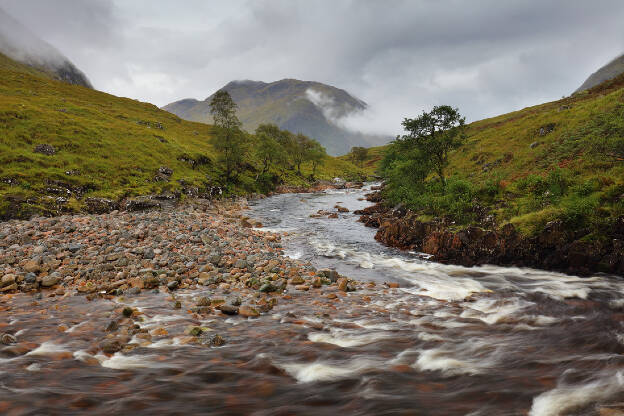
[(8, 339), (49, 281)]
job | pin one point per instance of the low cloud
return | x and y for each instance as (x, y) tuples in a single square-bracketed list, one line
[(401, 57)]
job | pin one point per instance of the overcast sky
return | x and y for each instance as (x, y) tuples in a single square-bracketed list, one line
[(486, 57)]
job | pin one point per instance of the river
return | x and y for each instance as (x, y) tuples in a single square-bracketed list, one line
[(449, 341), (481, 341)]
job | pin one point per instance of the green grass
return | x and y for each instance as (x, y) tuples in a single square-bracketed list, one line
[(106, 146), (560, 160)]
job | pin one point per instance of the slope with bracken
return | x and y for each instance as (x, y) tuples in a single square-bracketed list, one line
[(546, 181), (62, 144)]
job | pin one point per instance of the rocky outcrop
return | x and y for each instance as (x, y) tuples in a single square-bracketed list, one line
[(554, 248)]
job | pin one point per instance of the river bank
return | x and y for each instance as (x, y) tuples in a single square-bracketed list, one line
[(553, 248)]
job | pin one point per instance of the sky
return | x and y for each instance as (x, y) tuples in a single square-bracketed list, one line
[(486, 57)]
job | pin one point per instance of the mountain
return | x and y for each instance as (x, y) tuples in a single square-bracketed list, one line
[(21, 45), (607, 72), (307, 107), (65, 147)]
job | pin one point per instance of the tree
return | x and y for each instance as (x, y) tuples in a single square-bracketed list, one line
[(269, 150), (359, 155), (434, 135), (229, 140), (316, 155), (300, 150)]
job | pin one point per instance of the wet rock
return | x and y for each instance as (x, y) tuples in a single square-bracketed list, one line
[(341, 208), (173, 285), (297, 280), (342, 284), (8, 339), (112, 326), (203, 301), (248, 311), (317, 282), (228, 309), (127, 311), (193, 331), (235, 301), (214, 340), (177, 305), (110, 346), (266, 288)]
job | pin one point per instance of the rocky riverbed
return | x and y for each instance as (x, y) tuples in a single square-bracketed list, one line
[(196, 309)]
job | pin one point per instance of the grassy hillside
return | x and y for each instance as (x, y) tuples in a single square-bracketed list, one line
[(561, 160), (287, 104), (104, 146)]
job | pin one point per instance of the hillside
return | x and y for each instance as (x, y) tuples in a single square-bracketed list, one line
[(607, 72), (311, 108), (548, 181), (20, 44), (62, 143)]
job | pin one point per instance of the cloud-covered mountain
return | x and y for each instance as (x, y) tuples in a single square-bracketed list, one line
[(20, 44), (312, 108), (607, 72)]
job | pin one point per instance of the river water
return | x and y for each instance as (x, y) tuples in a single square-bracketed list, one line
[(481, 341), (449, 341)]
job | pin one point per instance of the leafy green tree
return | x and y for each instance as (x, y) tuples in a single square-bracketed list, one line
[(229, 141), (359, 155), (300, 150), (316, 155), (435, 135), (269, 150)]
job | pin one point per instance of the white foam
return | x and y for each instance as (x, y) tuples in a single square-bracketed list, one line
[(566, 398), (74, 327), (440, 360), (127, 362), (319, 371), (347, 339), (34, 367), (48, 348)]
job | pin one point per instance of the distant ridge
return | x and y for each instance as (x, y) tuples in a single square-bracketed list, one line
[(607, 72), (312, 108)]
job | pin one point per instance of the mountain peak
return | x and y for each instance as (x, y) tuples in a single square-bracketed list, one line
[(20, 44), (309, 107)]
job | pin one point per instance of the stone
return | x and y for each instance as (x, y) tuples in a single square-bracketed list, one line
[(297, 280), (203, 301), (8, 339), (248, 311), (302, 287), (317, 282), (112, 326), (341, 208), (127, 311), (214, 340), (266, 288), (241, 264), (228, 309), (49, 281), (342, 284), (45, 149), (32, 266), (110, 346), (193, 331), (7, 279), (173, 285)]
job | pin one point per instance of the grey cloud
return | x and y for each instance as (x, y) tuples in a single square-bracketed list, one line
[(401, 57)]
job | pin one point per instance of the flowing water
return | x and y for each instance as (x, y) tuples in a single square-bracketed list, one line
[(450, 341)]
